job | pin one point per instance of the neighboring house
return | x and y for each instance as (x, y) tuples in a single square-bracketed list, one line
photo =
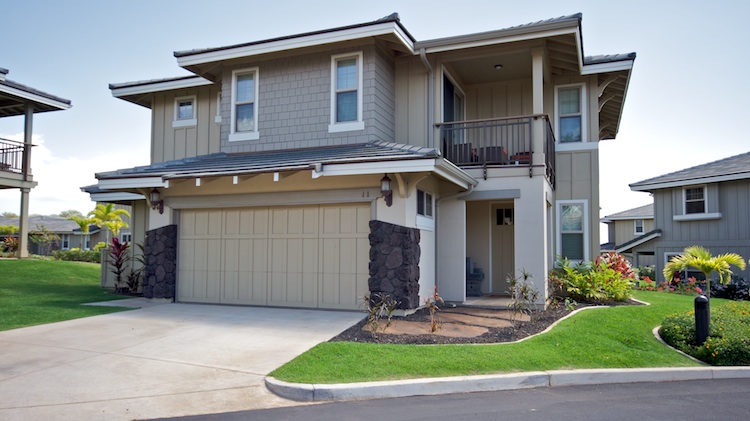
[(707, 205), (68, 232), (15, 157), (312, 169), (629, 228)]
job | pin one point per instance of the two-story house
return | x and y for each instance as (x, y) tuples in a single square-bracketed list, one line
[(707, 205), (628, 229), (15, 157), (311, 169)]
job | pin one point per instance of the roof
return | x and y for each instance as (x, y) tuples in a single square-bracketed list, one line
[(641, 212), (608, 58), (390, 18), (14, 96), (624, 247), (136, 92), (224, 164), (56, 224), (733, 168)]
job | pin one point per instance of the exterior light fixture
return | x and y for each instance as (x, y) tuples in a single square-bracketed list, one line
[(498, 67), (385, 190), (156, 202)]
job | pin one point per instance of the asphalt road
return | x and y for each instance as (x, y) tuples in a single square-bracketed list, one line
[(724, 400)]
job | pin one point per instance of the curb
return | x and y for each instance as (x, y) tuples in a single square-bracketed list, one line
[(494, 382)]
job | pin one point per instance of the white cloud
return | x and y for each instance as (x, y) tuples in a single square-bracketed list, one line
[(60, 177)]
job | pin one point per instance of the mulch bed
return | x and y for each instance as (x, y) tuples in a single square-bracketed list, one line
[(540, 320)]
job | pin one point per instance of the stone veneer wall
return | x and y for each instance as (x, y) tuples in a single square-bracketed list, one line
[(394, 263), (160, 252)]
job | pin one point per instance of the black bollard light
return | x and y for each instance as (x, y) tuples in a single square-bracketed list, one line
[(702, 317)]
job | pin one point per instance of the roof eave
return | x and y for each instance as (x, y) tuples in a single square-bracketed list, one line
[(188, 59), (53, 104), (689, 182), (139, 92)]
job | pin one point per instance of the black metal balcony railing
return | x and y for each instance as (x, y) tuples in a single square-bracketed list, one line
[(11, 156), (496, 142)]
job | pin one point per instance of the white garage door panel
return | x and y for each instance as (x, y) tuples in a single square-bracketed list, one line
[(301, 256)]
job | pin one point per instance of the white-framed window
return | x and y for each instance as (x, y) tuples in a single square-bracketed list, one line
[(638, 226), (64, 241), (570, 113), (573, 229), (126, 237), (87, 242), (244, 124), (185, 111), (424, 203), (694, 199), (346, 92)]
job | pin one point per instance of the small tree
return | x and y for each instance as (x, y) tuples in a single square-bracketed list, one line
[(44, 238), (109, 217), (69, 214), (700, 258)]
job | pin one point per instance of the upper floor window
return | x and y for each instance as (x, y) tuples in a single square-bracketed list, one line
[(346, 92), (638, 226), (569, 107), (695, 200), (572, 236), (244, 125), (184, 112), (424, 203)]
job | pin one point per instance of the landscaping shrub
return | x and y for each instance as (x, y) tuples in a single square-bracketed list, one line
[(646, 272), (78, 255), (728, 340), (736, 289), (594, 283)]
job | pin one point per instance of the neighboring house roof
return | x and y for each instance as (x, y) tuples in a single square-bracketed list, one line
[(629, 245), (733, 168), (56, 224), (14, 96), (641, 212), (273, 161)]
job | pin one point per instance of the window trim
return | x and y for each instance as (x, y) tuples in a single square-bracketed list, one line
[(705, 199), (359, 124), (64, 241), (234, 135), (585, 226), (635, 226), (185, 122), (584, 113)]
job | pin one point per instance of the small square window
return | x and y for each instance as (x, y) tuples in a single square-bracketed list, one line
[(695, 200), (184, 112), (424, 203)]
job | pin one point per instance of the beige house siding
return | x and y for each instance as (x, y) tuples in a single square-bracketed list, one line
[(578, 179), (625, 230), (168, 142)]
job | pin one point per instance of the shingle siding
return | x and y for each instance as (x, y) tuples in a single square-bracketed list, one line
[(294, 101)]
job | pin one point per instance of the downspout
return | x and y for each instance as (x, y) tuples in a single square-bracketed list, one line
[(430, 99), (437, 219)]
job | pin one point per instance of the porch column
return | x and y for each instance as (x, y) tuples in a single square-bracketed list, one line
[(23, 222), (537, 104), (27, 132)]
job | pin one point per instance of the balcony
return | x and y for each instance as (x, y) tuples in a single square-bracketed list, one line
[(497, 142), (11, 156)]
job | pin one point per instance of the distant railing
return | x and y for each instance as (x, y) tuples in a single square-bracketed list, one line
[(496, 141), (11, 156)]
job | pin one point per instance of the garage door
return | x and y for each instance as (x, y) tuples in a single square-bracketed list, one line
[(299, 256)]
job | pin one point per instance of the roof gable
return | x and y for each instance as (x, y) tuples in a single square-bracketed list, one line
[(641, 212), (733, 168)]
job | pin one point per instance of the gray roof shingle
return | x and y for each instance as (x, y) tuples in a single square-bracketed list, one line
[(273, 161), (641, 212), (737, 166)]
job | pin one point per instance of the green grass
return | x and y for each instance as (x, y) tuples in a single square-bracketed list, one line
[(615, 337), (34, 292)]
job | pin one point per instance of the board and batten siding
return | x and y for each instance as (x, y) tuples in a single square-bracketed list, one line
[(728, 234), (294, 101), (625, 230), (577, 176), (169, 143)]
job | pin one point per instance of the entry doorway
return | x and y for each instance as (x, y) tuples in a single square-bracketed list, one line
[(502, 237)]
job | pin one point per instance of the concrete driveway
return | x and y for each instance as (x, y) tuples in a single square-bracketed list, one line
[(158, 361)]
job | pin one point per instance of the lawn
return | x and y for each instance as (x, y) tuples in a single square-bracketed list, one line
[(615, 337), (34, 292)]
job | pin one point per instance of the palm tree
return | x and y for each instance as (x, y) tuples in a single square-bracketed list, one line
[(700, 258), (84, 224), (109, 217)]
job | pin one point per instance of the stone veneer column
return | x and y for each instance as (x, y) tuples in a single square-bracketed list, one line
[(394, 263), (160, 252)]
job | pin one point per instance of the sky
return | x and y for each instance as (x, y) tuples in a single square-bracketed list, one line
[(685, 106)]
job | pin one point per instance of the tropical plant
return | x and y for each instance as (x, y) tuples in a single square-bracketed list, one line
[(11, 244), (523, 295), (135, 277), (379, 305), (592, 283), (44, 238), (8, 229), (700, 258), (83, 222), (431, 304), (118, 258), (109, 217)]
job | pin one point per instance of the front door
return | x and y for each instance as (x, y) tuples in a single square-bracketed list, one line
[(503, 253)]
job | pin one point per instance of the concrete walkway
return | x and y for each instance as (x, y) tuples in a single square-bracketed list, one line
[(159, 361)]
